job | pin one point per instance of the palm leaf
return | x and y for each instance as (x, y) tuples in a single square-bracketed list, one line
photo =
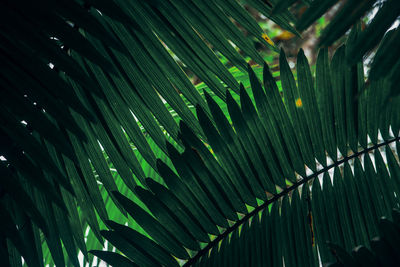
[(109, 61), (109, 78), (301, 206)]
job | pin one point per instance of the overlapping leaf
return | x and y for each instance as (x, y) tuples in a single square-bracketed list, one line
[(84, 79), (248, 186), (109, 77)]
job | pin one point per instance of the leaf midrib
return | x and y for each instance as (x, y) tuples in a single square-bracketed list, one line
[(286, 191)]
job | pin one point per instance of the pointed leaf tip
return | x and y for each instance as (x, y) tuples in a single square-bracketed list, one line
[(282, 54), (200, 112), (267, 72), (242, 90), (208, 97), (228, 96)]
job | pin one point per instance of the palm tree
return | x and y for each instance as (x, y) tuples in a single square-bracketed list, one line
[(92, 101)]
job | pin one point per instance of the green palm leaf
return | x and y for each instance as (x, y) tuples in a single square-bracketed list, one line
[(109, 60), (81, 138), (289, 221)]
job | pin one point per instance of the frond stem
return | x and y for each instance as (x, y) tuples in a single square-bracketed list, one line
[(279, 195)]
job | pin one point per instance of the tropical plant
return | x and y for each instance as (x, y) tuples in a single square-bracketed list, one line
[(253, 192), (92, 97)]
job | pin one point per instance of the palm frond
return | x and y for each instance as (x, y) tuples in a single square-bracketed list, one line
[(267, 192), (85, 81), (81, 79)]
